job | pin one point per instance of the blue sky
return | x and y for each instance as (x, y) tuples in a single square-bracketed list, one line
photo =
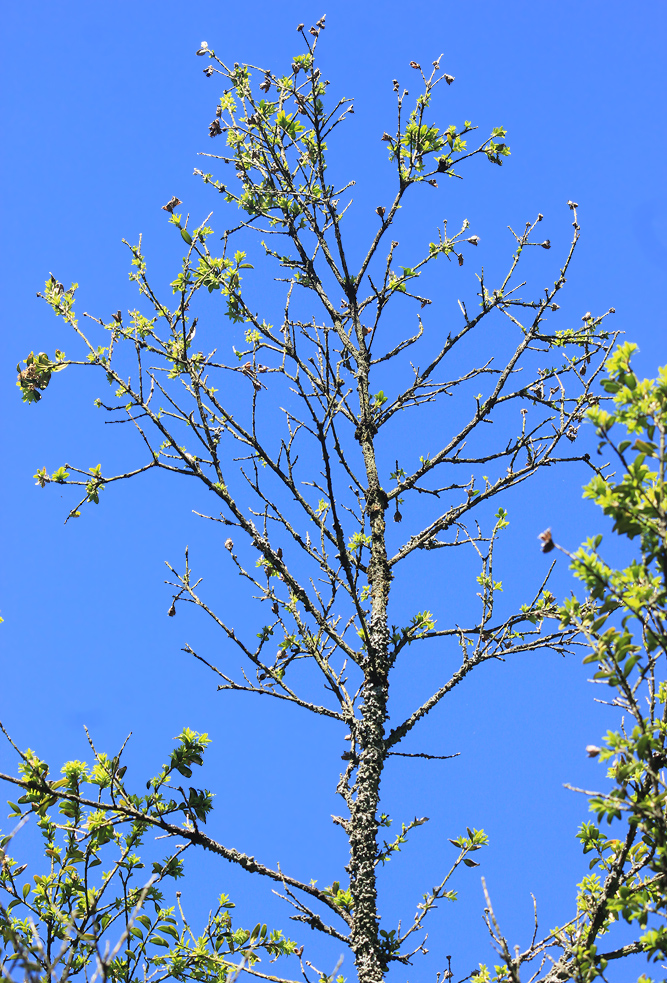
[(104, 109)]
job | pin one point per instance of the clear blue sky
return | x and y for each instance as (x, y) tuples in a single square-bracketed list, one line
[(104, 109)]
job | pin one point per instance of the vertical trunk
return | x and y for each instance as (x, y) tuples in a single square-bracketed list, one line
[(369, 735)]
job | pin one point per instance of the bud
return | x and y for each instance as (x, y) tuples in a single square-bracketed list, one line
[(313, 32), (460, 259), (203, 48), (172, 610), (208, 71), (214, 128), (540, 217), (449, 79), (555, 307), (118, 317), (473, 240), (387, 138), (229, 544), (547, 541), (573, 204), (592, 750), (299, 27), (587, 316), (612, 310), (415, 64), (380, 211), (433, 183), (171, 204), (546, 244)]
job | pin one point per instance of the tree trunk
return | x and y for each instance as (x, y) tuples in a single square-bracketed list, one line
[(370, 959)]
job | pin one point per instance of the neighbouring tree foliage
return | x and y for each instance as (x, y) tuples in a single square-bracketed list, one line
[(310, 505), (623, 619)]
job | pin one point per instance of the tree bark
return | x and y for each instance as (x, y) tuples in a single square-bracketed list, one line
[(371, 961)]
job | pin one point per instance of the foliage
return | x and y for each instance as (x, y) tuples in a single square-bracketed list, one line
[(624, 621), (112, 923)]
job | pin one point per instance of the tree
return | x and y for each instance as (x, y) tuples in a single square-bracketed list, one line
[(325, 572), (623, 619)]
